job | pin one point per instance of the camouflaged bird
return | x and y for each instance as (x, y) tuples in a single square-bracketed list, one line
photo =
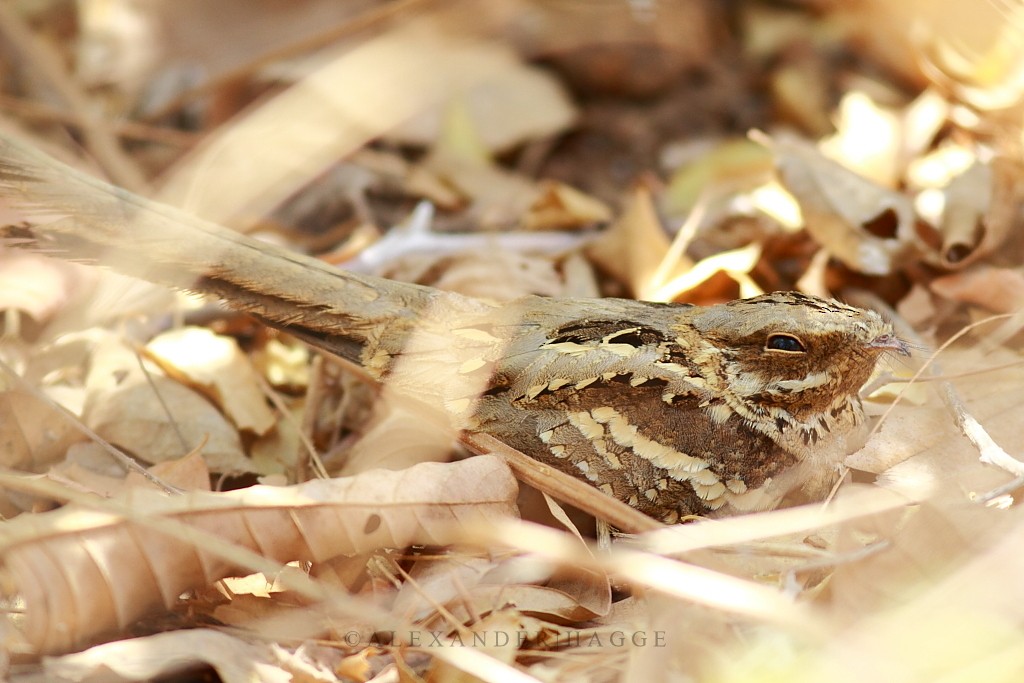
[(674, 409)]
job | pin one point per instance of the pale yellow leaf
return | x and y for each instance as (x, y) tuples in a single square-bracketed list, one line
[(214, 364)]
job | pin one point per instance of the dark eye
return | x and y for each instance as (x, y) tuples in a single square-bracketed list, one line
[(785, 342)]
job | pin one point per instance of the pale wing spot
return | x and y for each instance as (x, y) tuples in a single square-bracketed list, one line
[(674, 368), (608, 376), (534, 391), (662, 484), (568, 348), (668, 397), (558, 452), (587, 426), (736, 486), (627, 436), (709, 492), (613, 460), (378, 362), (471, 365), (585, 383), (624, 350), (637, 380), (558, 383), (715, 503), (607, 339), (651, 495), (607, 488), (632, 501), (671, 518), (704, 477), (584, 467), (475, 334), (719, 413), (546, 435)]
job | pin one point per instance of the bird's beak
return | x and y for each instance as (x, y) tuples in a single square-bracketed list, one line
[(889, 342)]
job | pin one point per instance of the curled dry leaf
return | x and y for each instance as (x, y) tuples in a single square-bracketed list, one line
[(365, 92), (82, 572), (15, 452), (868, 227), (561, 207), (234, 660), (983, 206), (467, 586)]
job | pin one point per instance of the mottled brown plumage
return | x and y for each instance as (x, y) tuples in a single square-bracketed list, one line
[(673, 409)]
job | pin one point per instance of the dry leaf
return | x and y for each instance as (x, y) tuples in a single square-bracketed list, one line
[(514, 104), (83, 572), (163, 420), (214, 364), (736, 264), (868, 140), (1000, 290), (868, 227), (919, 450), (45, 433), (982, 207), (234, 660), (561, 207), (633, 247), (153, 417), (730, 166), (15, 452)]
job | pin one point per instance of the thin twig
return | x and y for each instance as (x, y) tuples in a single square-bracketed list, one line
[(132, 130), (314, 457), (163, 404)]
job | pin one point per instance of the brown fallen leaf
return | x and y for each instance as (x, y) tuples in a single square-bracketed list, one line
[(633, 247), (96, 566), (154, 417)]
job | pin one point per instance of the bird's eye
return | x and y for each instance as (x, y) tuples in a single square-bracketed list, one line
[(784, 342)]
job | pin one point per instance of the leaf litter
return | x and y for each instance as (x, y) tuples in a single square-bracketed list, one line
[(566, 154)]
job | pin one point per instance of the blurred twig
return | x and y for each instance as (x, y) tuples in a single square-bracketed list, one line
[(42, 61), (132, 130)]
